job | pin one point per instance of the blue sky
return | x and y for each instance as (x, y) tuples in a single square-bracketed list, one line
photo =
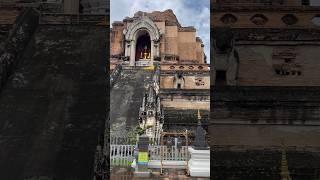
[(189, 13)]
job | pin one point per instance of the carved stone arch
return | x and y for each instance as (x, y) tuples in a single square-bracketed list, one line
[(316, 20), (259, 19), (289, 19), (142, 24), (229, 19)]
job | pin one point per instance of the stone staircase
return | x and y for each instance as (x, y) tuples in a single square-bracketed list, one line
[(126, 97)]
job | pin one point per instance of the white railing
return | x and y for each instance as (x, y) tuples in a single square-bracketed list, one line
[(168, 153), (123, 155)]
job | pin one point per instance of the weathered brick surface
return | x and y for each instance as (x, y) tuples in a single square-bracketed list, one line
[(15, 42), (53, 109), (264, 165), (274, 99), (126, 98), (266, 105)]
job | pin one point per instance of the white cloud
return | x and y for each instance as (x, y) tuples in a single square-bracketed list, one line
[(188, 12)]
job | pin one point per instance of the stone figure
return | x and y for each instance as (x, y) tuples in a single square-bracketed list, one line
[(226, 57)]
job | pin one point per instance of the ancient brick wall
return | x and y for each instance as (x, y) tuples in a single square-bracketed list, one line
[(258, 2), (266, 105), (273, 101), (17, 40), (116, 40), (126, 98), (191, 81), (171, 40), (53, 108), (269, 18), (185, 99), (261, 65), (187, 45)]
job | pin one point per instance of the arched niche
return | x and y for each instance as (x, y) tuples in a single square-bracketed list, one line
[(142, 26), (143, 45), (179, 81)]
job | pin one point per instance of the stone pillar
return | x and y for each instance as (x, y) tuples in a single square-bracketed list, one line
[(152, 51), (127, 49), (202, 54), (199, 163), (132, 53), (156, 47)]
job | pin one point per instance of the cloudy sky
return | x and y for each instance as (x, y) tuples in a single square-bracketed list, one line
[(189, 13)]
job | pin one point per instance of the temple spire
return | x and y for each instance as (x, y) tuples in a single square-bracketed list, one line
[(200, 142)]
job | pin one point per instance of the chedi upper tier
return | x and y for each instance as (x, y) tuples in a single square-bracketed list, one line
[(147, 38)]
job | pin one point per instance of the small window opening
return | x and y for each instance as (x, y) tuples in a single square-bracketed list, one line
[(178, 86)]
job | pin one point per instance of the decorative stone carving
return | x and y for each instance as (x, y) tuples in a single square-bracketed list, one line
[(125, 58), (285, 34), (150, 111), (284, 62), (171, 57), (199, 81), (227, 58), (286, 53), (157, 58), (229, 19), (287, 69), (316, 20), (143, 22), (178, 80), (289, 19), (259, 19)]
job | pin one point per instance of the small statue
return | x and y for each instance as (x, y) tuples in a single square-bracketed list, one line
[(145, 52), (145, 55)]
